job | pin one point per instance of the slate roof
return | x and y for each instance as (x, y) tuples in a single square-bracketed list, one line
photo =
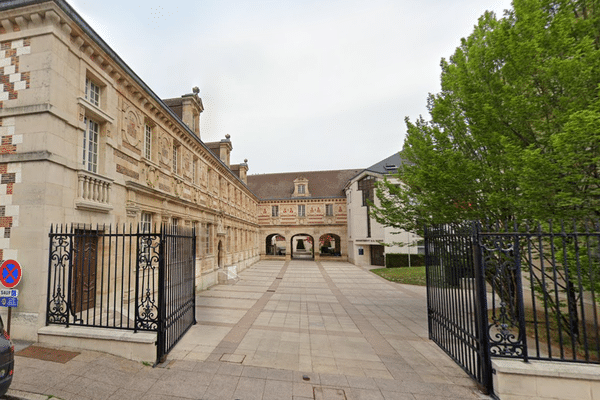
[(388, 165), (321, 184)]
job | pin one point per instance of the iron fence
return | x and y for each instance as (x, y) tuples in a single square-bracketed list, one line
[(516, 290), (126, 278)]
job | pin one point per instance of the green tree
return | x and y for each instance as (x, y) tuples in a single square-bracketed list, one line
[(515, 131)]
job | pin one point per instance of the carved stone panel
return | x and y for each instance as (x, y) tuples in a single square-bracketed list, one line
[(132, 128), (165, 151), (187, 164)]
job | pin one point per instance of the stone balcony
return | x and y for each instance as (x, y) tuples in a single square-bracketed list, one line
[(93, 192)]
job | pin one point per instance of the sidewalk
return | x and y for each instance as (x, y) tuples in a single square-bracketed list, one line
[(298, 330)]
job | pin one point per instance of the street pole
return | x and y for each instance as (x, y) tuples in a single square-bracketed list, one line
[(408, 241)]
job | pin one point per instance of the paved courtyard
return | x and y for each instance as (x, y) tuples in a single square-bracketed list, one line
[(294, 330)]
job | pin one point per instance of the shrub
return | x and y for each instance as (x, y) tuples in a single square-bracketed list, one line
[(396, 260)]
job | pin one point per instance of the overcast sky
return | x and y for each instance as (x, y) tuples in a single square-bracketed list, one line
[(299, 85)]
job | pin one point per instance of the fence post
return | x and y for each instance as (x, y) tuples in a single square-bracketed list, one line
[(519, 294), (427, 277), (194, 271), (160, 326), (481, 313)]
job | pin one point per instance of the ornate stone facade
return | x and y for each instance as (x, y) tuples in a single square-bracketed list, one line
[(84, 140)]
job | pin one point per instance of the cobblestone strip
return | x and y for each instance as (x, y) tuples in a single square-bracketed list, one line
[(233, 339), (381, 346)]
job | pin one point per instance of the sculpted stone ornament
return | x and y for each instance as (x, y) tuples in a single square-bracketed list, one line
[(131, 129), (151, 177), (165, 146), (187, 162)]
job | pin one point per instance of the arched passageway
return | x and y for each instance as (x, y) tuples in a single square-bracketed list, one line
[(330, 245), (302, 246), (275, 245)]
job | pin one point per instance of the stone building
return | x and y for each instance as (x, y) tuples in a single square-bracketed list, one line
[(85, 140), (366, 237), (302, 214)]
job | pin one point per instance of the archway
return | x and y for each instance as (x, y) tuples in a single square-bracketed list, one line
[(330, 244), (220, 254), (302, 246), (275, 245)]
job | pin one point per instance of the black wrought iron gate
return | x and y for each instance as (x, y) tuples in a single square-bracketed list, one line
[(176, 289), (456, 298), (123, 278)]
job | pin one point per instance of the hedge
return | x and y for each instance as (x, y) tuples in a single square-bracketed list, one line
[(396, 260)]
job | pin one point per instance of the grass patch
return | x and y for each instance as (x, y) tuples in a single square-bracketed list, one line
[(408, 275)]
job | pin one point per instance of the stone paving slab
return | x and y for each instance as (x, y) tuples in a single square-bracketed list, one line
[(294, 330)]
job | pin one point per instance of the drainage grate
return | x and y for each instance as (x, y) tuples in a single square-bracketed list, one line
[(45, 354), (328, 393)]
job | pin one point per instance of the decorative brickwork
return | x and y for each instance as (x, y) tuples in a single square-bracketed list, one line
[(126, 171), (10, 174), (11, 78)]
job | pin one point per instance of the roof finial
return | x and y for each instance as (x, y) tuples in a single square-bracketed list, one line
[(196, 90)]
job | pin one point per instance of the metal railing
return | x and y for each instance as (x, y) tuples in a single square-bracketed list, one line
[(543, 284), (122, 279), (514, 290)]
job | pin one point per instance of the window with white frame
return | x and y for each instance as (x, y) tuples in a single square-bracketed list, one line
[(146, 222), (329, 210), (301, 189), (194, 167), (175, 151), (301, 210), (90, 145), (198, 232), (274, 211), (92, 92), (207, 245), (148, 141)]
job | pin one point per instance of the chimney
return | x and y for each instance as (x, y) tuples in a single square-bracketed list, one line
[(191, 107), (241, 170)]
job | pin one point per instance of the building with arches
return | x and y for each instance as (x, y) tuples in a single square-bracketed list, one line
[(302, 215)]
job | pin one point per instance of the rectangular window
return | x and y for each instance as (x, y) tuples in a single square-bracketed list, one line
[(207, 239), (175, 158), (329, 210), (198, 229), (301, 189), (90, 145), (147, 142), (194, 167), (301, 210), (146, 222), (92, 92), (274, 211)]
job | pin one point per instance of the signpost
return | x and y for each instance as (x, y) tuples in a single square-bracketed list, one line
[(10, 276)]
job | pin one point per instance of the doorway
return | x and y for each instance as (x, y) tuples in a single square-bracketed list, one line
[(377, 255), (85, 258)]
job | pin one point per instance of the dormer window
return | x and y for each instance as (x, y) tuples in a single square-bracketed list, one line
[(301, 187)]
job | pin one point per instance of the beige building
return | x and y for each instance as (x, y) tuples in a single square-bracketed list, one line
[(302, 214), (85, 140), (368, 240)]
